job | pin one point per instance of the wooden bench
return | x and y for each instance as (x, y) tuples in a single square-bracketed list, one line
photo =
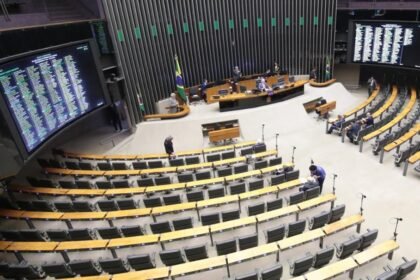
[(310, 106), (324, 110), (363, 105), (224, 134), (388, 103)]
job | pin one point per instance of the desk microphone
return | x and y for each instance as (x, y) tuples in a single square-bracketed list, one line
[(335, 175), (398, 219), (364, 196)]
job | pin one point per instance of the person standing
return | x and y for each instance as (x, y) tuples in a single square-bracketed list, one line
[(203, 89), (371, 85), (312, 75), (276, 69), (173, 104), (169, 146), (318, 173), (236, 74)]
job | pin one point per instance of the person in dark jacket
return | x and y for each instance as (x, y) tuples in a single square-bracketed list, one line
[(318, 173), (169, 146), (353, 130)]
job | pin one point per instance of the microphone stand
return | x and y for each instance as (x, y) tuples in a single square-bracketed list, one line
[(361, 203), (334, 177), (293, 154), (396, 227), (263, 132), (277, 147)]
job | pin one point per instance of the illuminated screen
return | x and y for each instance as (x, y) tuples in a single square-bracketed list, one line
[(46, 91)]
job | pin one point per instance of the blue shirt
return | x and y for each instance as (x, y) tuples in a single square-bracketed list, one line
[(320, 172)]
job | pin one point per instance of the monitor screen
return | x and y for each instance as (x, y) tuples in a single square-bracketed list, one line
[(46, 90), (388, 43)]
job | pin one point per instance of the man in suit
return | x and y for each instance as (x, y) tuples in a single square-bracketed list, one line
[(368, 121), (371, 85), (203, 89), (169, 146), (336, 125), (352, 131), (312, 75), (236, 74), (173, 104), (276, 69)]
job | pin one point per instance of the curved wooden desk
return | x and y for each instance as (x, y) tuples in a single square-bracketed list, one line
[(406, 137), (324, 84), (184, 111), (388, 103), (363, 105)]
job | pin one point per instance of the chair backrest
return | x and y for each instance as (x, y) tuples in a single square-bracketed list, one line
[(230, 215), (64, 206), (323, 257), (104, 166), (195, 196), (171, 257), (81, 184), (85, 165), (237, 188), (312, 192), (226, 247), (109, 232), (160, 227), (225, 171), (203, 175), (259, 148), (11, 235), (58, 270), (248, 241), (113, 266), (176, 162), (301, 265), (388, 275), (240, 168), (164, 180), (33, 235), (81, 234), (292, 175), (139, 165), (182, 223), (319, 220), (104, 185), (134, 230), (247, 151), (336, 213), (185, 177), (126, 203), (141, 262), (25, 270), (192, 160), (296, 228), (296, 198), (275, 234), (196, 253), (72, 165), (46, 183), (216, 192), (406, 268), (213, 157), (152, 202), (58, 235), (368, 238), (67, 184), (228, 154), (85, 267), (155, 163), (249, 276), (274, 204), (121, 183), (278, 179), (272, 273), (172, 199), (256, 209), (119, 166), (256, 184), (108, 205), (275, 161), (347, 248), (209, 219), (260, 164), (42, 205)]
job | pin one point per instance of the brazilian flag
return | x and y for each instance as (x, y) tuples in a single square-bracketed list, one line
[(179, 81)]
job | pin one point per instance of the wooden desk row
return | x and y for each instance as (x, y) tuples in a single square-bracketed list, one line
[(158, 156), (161, 170), (364, 104), (145, 190), (21, 246), (144, 212), (406, 137), (236, 257), (411, 104), (388, 103), (184, 111), (411, 160)]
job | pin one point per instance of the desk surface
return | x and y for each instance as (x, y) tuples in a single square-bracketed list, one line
[(332, 270), (414, 158), (375, 251), (302, 238), (195, 266), (155, 273), (364, 104), (388, 103), (343, 224)]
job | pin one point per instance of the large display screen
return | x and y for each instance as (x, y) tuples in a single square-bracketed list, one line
[(47, 90), (391, 43)]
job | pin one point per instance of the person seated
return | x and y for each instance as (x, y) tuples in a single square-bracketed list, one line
[(263, 86), (352, 131), (368, 121), (173, 104), (336, 125)]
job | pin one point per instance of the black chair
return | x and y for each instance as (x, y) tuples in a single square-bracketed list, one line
[(23, 270), (292, 175), (5, 270), (185, 177), (46, 183), (106, 166), (296, 228), (145, 182), (256, 184), (228, 154), (83, 184), (126, 203), (119, 166), (230, 215), (248, 276), (248, 241), (141, 262), (58, 270), (274, 204), (86, 165), (312, 193), (302, 265), (387, 275), (278, 179), (275, 161), (224, 171), (368, 238), (247, 151), (203, 175), (259, 148), (256, 209), (323, 257), (347, 248), (176, 162), (226, 247), (209, 219), (195, 196), (216, 192), (11, 235), (121, 183), (336, 213), (272, 273), (296, 198), (44, 163), (182, 223), (213, 157), (77, 234), (237, 188), (85, 267), (67, 184), (109, 232), (134, 230), (196, 253), (171, 257), (406, 268), (138, 165), (172, 199), (155, 163), (64, 206), (275, 234), (107, 205), (72, 165), (25, 205), (104, 185), (42, 205), (162, 181), (160, 227), (240, 168), (260, 164), (33, 235), (152, 202), (192, 160), (83, 206), (319, 220), (58, 235), (113, 266)]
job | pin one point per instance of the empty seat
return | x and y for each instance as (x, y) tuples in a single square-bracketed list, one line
[(256, 184), (274, 204), (109, 232), (302, 265), (278, 179), (247, 151), (104, 166), (185, 177), (230, 215), (176, 162), (85, 165), (213, 157), (241, 168), (138, 165), (113, 266), (104, 185), (141, 262), (121, 183), (192, 160), (81, 234), (275, 234), (323, 257), (196, 253), (336, 213), (224, 171), (216, 192), (248, 241), (46, 183), (228, 154), (209, 219), (67, 184), (64, 206), (296, 228), (256, 209), (42, 205), (126, 203), (195, 196), (406, 268), (237, 188), (119, 166), (319, 220), (27, 271), (155, 163), (83, 184), (33, 235), (164, 180), (312, 192), (171, 257), (272, 273), (275, 161), (11, 235), (203, 175), (226, 247), (107, 205), (172, 199), (58, 235), (83, 206), (387, 275), (347, 248), (58, 270), (85, 267), (160, 227), (259, 148), (182, 223), (44, 163), (248, 276), (145, 182), (292, 175), (25, 205), (152, 202), (260, 164), (296, 198), (134, 230), (368, 238)]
